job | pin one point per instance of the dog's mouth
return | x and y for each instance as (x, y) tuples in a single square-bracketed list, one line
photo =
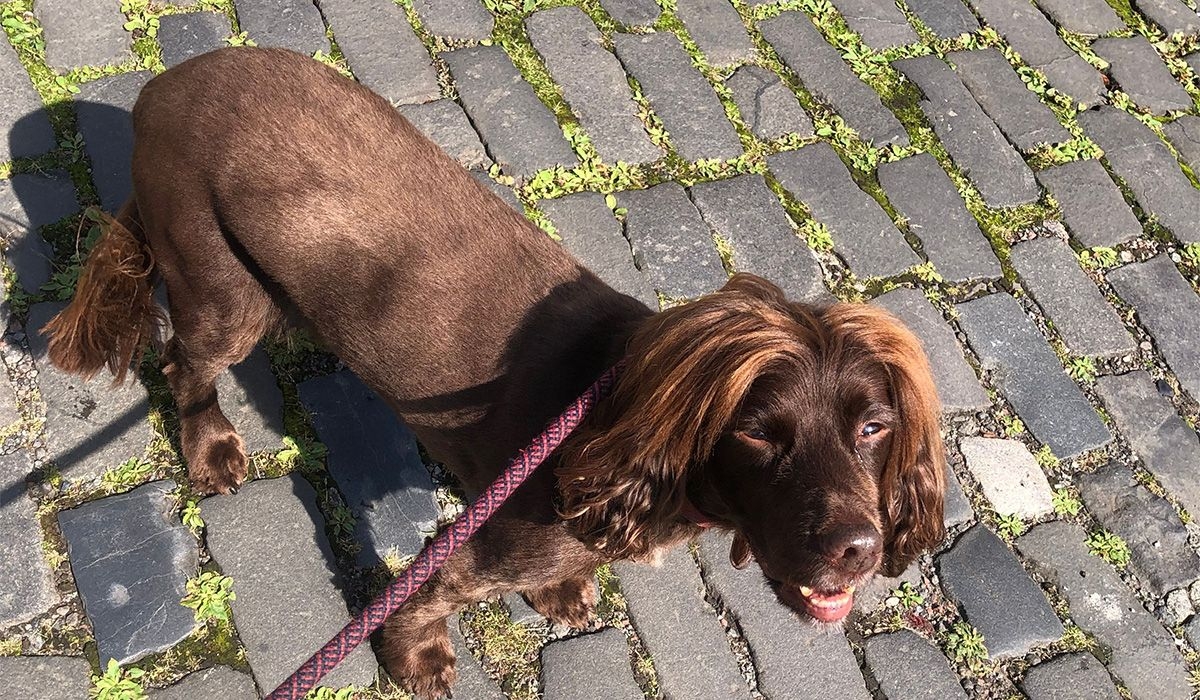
[(823, 606)]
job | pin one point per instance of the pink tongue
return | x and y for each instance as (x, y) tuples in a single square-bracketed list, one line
[(828, 608)]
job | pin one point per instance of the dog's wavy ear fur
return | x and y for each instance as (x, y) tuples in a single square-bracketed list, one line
[(913, 486), (621, 476)]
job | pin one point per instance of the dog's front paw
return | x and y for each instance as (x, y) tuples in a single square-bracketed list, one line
[(426, 669), (221, 468), (569, 602)]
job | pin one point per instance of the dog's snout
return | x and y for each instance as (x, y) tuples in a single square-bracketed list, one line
[(852, 549)]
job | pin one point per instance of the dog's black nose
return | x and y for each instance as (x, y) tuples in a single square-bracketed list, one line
[(852, 549)]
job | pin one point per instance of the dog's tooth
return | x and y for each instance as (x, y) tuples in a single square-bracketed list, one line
[(851, 589), (806, 591)]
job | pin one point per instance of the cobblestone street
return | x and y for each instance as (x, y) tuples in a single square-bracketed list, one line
[(1017, 180)]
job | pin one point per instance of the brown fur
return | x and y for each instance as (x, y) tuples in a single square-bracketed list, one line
[(273, 191)]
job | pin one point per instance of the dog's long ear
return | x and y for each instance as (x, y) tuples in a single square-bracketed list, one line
[(913, 487), (622, 475)]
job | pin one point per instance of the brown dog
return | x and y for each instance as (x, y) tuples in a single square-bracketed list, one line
[(269, 192)]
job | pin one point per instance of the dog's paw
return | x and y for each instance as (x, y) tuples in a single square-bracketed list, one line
[(569, 602), (222, 467), (426, 670)]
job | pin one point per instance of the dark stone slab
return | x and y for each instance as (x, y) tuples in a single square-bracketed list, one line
[(589, 666), (1145, 163), (29, 201), (521, 612), (270, 539), (876, 591), (1033, 36), (91, 426), (519, 131), (1003, 95), (973, 140), (717, 29), (947, 18), (863, 235), (1088, 325), (24, 127), (472, 682), (592, 234), (1082, 16), (794, 658), (593, 83), (680, 629), (909, 666), (1026, 370), (823, 72), (957, 385), (216, 682), (251, 399), (1172, 15), (26, 586), (103, 107), (926, 196), (957, 509), (132, 558), (382, 49), (83, 33), (879, 22), (1069, 677), (680, 95), (997, 596), (1158, 546), (376, 463), (1093, 208), (1167, 307), (185, 36), (1184, 133), (504, 193), (745, 213), (1193, 60), (445, 123), (286, 24), (671, 242), (45, 677), (1141, 73), (767, 106), (632, 12), (455, 19), (1166, 444), (1143, 653)]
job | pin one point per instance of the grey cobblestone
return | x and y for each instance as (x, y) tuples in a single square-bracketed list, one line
[(1184, 134), (1083, 16), (589, 666), (103, 107), (382, 50), (216, 682), (472, 682), (505, 193), (1069, 677), (445, 123), (1093, 208), (1172, 15), (250, 397), (1009, 476), (24, 127), (45, 677), (947, 18), (455, 19), (286, 24), (671, 241), (83, 33), (1141, 73), (957, 509), (29, 201), (1005, 98), (26, 587), (185, 36), (879, 22), (767, 106), (717, 29), (908, 666), (632, 12)]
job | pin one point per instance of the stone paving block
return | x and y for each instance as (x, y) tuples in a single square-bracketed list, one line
[(1023, 118), (1083, 16), (926, 196), (795, 658), (1167, 307), (131, 558), (45, 677), (1145, 163), (672, 243), (216, 682), (1158, 541), (593, 235), (1172, 15), (717, 29), (863, 235), (1033, 36), (1193, 60), (879, 22), (519, 131), (1009, 476), (83, 33), (593, 83), (745, 213), (103, 108), (1184, 133), (875, 592), (29, 201), (1093, 208), (823, 72), (767, 106), (505, 193), (375, 461), (455, 19), (947, 18), (1051, 273), (680, 630), (250, 397), (1167, 445), (91, 426), (1030, 375), (1191, 631), (472, 682), (26, 586), (972, 139), (285, 24), (957, 509), (680, 95), (185, 36), (589, 666), (1069, 677), (445, 123), (1141, 73), (1143, 653), (270, 539), (909, 666), (24, 127), (382, 49), (632, 12), (521, 612), (997, 596)]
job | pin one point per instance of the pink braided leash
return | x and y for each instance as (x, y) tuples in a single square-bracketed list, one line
[(433, 557)]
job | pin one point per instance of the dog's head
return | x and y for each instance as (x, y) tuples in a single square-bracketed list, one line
[(811, 432)]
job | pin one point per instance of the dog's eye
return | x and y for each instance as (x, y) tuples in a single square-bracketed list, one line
[(755, 434), (871, 429)]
